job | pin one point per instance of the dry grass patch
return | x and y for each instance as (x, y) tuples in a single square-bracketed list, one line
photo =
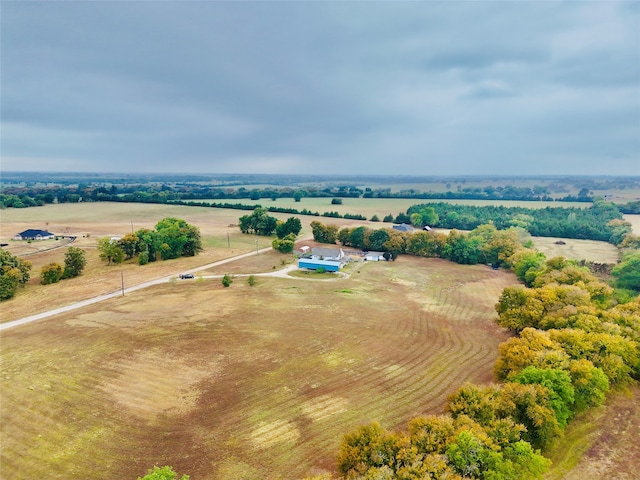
[(573, 249)]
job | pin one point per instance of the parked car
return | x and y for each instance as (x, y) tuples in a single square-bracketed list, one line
[(186, 275)]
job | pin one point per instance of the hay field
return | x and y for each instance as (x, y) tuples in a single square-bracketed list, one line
[(246, 382)]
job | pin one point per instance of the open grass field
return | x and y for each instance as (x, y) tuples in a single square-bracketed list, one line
[(244, 382), (574, 249)]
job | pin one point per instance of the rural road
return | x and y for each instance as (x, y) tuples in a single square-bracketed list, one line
[(118, 293)]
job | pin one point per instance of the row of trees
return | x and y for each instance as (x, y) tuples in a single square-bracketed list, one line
[(485, 244), (602, 221), (171, 238), (164, 192), (510, 248)]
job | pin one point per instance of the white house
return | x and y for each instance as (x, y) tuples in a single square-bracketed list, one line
[(33, 234)]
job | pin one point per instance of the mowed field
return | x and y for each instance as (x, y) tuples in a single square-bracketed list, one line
[(244, 382)]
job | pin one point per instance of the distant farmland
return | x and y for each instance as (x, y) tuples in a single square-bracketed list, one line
[(382, 206)]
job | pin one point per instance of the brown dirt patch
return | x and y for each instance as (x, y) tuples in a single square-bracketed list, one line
[(162, 384)]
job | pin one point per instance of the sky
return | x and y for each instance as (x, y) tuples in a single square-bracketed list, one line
[(378, 88)]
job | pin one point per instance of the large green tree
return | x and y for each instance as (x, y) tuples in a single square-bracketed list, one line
[(177, 238), (75, 260), (291, 226), (558, 382), (324, 233), (51, 273), (110, 250)]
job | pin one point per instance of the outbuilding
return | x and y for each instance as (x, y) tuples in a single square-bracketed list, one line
[(328, 259), (33, 234), (403, 227)]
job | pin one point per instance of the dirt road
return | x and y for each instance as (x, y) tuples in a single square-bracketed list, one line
[(117, 293)]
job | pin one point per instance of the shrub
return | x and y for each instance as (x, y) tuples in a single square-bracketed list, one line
[(51, 273), (227, 280)]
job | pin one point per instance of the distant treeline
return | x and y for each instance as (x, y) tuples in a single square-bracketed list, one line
[(22, 196), (509, 192)]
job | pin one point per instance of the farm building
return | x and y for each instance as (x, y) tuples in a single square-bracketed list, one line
[(329, 259), (403, 227), (32, 234)]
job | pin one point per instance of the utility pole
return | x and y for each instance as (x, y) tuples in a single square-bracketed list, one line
[(122, 278), (228, 241), (256, 246)]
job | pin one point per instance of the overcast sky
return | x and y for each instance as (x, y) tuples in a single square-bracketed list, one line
[(429, 88)]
